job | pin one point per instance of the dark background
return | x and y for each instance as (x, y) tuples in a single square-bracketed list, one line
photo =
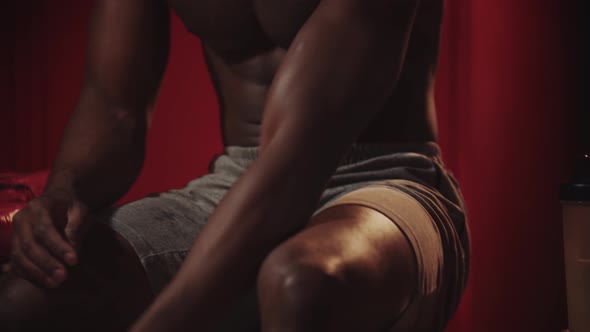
[(512, 95)]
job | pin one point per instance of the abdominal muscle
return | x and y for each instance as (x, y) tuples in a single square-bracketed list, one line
[(407, 116)]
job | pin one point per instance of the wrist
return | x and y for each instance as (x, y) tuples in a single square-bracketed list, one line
[(64, 191), (65, 185), (60, 183)]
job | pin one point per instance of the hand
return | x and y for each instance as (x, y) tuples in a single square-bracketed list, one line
[(46, 234)]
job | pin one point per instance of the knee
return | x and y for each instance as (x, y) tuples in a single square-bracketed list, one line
[(20, 302), (5, 304), (296, 286), (11, 292)]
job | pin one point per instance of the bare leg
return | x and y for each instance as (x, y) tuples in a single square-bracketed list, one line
[(351, 269), (105, 292)]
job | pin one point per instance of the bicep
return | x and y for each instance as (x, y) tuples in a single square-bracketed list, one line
[(338, 71), (127, 51)]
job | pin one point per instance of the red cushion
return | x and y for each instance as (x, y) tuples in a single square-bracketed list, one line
[(15, 191)]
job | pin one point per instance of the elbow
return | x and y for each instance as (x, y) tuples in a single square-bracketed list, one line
[(265, 137), (271, 127)]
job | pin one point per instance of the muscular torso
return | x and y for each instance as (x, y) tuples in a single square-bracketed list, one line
[(244, 42)]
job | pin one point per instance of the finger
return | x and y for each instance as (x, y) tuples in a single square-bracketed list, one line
[(77, 226), (24, 268), (39, 256), (47, 235), (76, 233)]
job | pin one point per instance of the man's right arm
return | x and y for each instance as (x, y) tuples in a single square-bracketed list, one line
[(102, 149)]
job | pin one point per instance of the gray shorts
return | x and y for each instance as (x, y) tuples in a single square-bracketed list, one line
[(406, 182)]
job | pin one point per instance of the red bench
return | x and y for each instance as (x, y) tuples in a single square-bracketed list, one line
[(15, 191)]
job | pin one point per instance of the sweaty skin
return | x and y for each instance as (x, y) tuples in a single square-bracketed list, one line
[(245, 53), (322, 75), (302, 79)]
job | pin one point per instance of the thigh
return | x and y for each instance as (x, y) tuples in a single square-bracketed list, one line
[(162, 227), (394, 252), (362, 251), (107, 290)]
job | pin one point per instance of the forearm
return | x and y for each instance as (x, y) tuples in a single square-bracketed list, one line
[(336, 76), (273, 200), (101, 152)]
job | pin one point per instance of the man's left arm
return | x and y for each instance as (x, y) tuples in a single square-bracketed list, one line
[(335, 77)]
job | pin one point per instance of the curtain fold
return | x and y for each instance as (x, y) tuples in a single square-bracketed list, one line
[(23, 87), (509, 91)]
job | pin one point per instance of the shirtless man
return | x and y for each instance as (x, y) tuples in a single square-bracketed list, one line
[(330, 200)]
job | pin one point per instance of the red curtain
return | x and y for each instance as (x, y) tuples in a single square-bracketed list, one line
[(506, 94), (41, 78)]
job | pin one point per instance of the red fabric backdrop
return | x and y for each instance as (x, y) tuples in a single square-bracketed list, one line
[(505, 95)]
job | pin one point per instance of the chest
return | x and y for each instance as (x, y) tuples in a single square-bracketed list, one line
[(234, 25)]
